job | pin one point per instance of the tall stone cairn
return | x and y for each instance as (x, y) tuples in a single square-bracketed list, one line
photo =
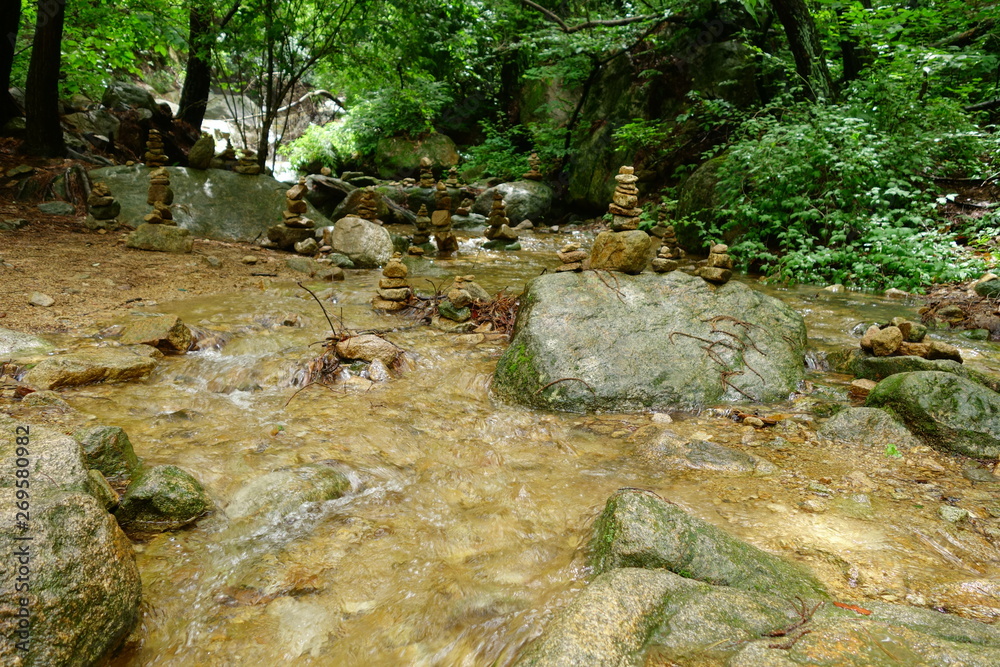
[(498, 228), (393, 290), (669, 253), (720, 265), (154, 150), (101, 205), (295, 206), (533, 174), (624, 203), (247, 163), (572, 257), (159, 187), (452, 180), (423, 224), (426, 174), (367, 208), (445, 239)]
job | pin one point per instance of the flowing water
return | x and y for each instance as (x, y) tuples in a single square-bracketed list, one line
[(467, 522)]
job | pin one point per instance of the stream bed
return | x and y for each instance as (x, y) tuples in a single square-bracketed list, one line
[(467, 523)]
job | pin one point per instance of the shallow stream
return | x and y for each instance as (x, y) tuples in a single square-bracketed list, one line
[(467, 523)]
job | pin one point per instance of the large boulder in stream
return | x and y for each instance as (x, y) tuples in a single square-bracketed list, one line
[(83, 589), (366, 244), (590, 341), (89, 365), (945, 410), (671, 589), (524, 200), (210, 203)]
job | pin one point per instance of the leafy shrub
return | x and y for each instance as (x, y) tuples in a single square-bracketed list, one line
[(393, 111), (502, 153), (324, 144)]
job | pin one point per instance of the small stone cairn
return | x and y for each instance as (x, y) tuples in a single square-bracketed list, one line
[(499, 233), (159, 187), (445, 239), (464, 292), (720, 265), (154, 150), (247, 163), (426, 174), (901, 337), (572, 257), (465, 207), (452, 180), (103, 208), (367, 208), (393, 290), (533, 174), (624, 202), (408, 183), (422, 235), (669, 253), (161, 215), (295, 206)]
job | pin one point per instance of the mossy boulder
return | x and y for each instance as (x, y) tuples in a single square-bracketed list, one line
[(946, 411), (108, 449), (161, 498), (862, 365), (583, 341), (399, 157), (867, 427)]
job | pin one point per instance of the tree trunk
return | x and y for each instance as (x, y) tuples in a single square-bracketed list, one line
[(855, 55), (198, 76), (803, 39), (43, 132), (10, 20)]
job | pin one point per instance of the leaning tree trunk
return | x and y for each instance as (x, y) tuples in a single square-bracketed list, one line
[(803, 39), (10, 20), (198, 76), (41, 101)]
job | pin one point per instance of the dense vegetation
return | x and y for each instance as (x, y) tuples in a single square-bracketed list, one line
[(865, 117)]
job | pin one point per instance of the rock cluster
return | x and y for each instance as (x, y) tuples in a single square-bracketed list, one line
[(452, 180), (295, 206), (393, 290), (465, 207), (422, 235), (159, 188), (669, 253), (624, 207), (247, 163), (902, 337), (103, 208), (533, 174), (445, 239), (161, 215), (720, 265), (154, 150), (426, 174), (572, 257), (499, 233), (463, 292), (367, 208)]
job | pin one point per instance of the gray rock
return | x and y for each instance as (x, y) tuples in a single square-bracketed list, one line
[(167, 333), (666, 450), (366, 244), (944, 410), (87, 366), (108, 449), (524, 200), (211, 203), (201, 154), (95, 121), (307, 246), (161, 498), (122, 96), (633, 344), (285, 238), (859, 364), (14, 344), (302, 265), (989, 289), (13, 224), (471, 221), (160, 238), (283, 491), (867, 427), (40, 300), (57, 208)]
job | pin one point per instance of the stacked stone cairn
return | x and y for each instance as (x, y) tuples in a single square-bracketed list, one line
[(572, 257), (226, 159), (247, 163), (669, 253), (103, 208), (445, 239), (452, 180), (901, 337), (408, 182), (533, 174), (159, 187), (393, 290), (161, 215), (426, 174), (720, 265), (422, 235), (465, 207), (154, 150), (626, 247), (295, 206), (464, 292), (499, 233), (367, 208)]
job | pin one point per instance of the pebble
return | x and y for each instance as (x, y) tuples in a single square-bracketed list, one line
[(213, 261), (39, 299), (953, 514), (249, 259), (661, 418)]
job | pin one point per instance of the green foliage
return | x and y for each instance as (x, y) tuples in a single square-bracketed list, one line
[(323, 144), (842, 194), (391, 111), (502, 153), (892, 451)]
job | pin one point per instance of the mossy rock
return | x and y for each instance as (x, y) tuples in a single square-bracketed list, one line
[(161, 498), (399, 157), (108, 449)]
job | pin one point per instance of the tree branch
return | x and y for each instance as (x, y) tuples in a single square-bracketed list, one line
[(568, 29)]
